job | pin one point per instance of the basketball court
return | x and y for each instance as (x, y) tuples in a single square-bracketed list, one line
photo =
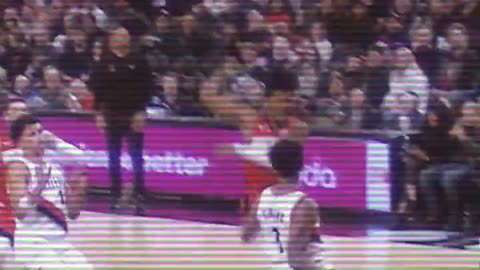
[(128, 242)]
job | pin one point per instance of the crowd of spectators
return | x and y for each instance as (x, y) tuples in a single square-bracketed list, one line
[(364, 64), (361, 63)]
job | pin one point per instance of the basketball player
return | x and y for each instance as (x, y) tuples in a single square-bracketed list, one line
[(286, 218), (42, 200), (11, 110), (7, 221), (276, 119)]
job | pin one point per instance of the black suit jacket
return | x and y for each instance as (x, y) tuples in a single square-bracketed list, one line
[(121, 86)]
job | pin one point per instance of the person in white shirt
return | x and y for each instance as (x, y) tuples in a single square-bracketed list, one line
[(286, 219), (407, 76)]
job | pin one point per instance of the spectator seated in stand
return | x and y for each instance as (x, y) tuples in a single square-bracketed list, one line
[(164, 100), (407, 76), (467, 131), (404, 115), (23, 88), (443, 168)]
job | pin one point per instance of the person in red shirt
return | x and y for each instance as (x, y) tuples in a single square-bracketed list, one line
[(277, 118), (7, 220), (12, 109)]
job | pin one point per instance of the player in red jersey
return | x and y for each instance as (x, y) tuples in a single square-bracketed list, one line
[(277, 118), (10, 111), (7, 221)]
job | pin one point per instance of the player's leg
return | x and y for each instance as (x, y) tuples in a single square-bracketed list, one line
[(114, 138), (135, 150), (33, 253)]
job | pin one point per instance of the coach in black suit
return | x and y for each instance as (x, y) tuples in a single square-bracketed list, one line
[(121, 83)]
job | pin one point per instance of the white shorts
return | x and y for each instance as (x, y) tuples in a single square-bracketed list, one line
[(35, 253)]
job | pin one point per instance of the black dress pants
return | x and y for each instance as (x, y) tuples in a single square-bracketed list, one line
[(114, 137)]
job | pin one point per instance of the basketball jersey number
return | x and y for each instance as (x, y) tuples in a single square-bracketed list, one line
[(277, 239)]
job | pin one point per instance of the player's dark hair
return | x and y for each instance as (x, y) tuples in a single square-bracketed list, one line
[(281, 79), (18, 126), (5, 104), (286, 157)]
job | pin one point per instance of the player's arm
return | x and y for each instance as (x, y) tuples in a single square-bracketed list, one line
[(250, 227), (63, 150), (302, 224), (76, 190), (225, 107), (17, 189)]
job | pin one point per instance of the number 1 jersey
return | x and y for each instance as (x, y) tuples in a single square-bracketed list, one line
[(48, 220), (274, 213)]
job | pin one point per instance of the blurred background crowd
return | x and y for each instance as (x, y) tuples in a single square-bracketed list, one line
[(362, 64), (367, 64)]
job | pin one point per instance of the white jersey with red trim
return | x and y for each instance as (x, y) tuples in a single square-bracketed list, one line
[(274, 215), (48, 218)]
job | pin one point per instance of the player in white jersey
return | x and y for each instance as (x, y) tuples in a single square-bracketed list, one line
[(42, 201), (59, 152), (287, 220)]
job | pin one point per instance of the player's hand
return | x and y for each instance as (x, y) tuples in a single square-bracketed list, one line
[(138, 121)]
